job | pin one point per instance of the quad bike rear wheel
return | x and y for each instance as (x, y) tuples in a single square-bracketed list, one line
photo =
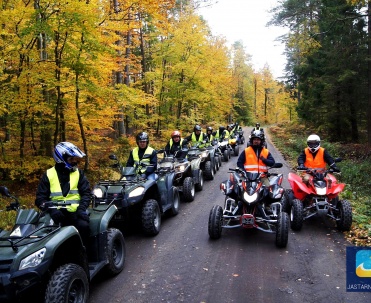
[(236, 150), (296, 215), (282, 230), (174, 210), (116, 252), (200, 184), (286, 200), (188, 189), (151, 217), (68, 283), (344, 218), (226, 155), (215, 222)]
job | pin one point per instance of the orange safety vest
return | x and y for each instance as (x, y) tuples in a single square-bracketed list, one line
[(318, 161), (252, 163)]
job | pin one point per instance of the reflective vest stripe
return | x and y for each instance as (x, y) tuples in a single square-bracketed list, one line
[(252, 163), (318, 161), (148, 151), (73, 195)]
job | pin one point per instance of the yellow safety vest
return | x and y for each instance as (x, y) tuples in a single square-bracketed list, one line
[(171, 142), (56, 194), (148, 151)]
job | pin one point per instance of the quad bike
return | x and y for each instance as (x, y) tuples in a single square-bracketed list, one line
[(320, 196), (183, 175), (224, 149), (45, 262), (139, 200), (202, 166), (248, 204), (240, 137), (233, 145), (207, 159), (218, 153)]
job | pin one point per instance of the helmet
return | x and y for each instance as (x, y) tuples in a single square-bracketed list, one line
[(313, 143), (197, 127), (229, 126), (142, 136), (175, 133), (257, 134), (64, 150), (257, 124), (209, 128)]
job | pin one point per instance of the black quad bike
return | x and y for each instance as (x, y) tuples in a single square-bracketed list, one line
[(194, 156), (248, 204), (224, 149), (44, 262), (139, 200), (207, 159), (240, 137), (183, 175)]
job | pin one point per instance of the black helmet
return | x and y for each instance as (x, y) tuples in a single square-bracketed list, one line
[(221, 129), (209, 128), (142, 136), (257, 134), (197, 127)]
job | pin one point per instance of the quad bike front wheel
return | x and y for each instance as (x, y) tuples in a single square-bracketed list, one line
[(344, 218), (296, 215), (282, 230), (188, 189), (209, 171), (68, 283), (151, 217), (286, 200), (116, 252), (215, 222)]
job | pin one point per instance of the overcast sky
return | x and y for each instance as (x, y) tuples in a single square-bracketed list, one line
[(246, 20)]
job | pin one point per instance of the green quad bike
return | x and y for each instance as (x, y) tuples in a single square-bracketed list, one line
[(182, 172), (139, 201), (44, 262)]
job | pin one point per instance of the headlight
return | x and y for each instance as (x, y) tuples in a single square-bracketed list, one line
[(33, 260), (321, 191), (98, 192), (136, 192), (180, 168), (251, 198), (204, 154)]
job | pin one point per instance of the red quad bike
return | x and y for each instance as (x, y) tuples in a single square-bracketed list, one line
[(246, 205), (319, 197)]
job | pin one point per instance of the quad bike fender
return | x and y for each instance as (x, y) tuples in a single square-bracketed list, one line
[(334, 189), (165, 187), (142, 190), (299, 189), (100, 220)]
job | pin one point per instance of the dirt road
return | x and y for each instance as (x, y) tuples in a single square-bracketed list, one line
[(181, 264)]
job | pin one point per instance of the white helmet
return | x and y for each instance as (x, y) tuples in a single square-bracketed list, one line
[(313, 143)]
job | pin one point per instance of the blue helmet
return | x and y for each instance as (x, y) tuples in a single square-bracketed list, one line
[(64, 150)]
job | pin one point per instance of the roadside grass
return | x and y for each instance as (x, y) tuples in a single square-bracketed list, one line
[(355, 168)]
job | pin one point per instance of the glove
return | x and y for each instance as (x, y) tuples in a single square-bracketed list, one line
[(82, 215), (301, 167), (56, 215), (45, 206)]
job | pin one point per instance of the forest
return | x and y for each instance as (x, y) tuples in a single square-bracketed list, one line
[(97, 72)]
